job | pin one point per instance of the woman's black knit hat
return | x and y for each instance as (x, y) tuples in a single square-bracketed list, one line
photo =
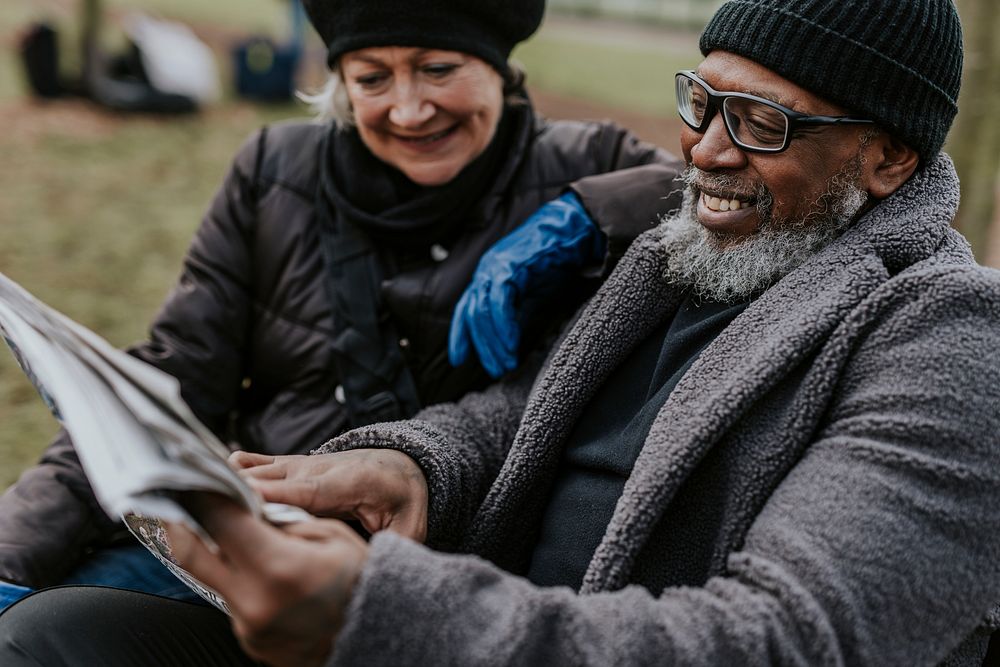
[(488, 29), (898, 62)]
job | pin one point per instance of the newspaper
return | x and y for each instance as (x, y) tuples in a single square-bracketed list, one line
[(138, 441)]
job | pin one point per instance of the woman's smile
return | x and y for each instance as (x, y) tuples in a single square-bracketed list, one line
[(427, 142)]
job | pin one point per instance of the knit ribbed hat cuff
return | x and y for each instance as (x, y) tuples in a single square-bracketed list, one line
[(471, 42), (487, 29)]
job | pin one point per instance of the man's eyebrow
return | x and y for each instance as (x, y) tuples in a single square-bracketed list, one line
[(768, 96), (771, 97)]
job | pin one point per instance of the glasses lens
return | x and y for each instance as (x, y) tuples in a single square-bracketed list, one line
[(754, 124), (692, 100)]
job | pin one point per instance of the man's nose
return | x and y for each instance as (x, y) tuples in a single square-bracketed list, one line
[(715, 150), (411, 108)]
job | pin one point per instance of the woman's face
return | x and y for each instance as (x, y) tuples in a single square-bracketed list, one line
[(426, 112)]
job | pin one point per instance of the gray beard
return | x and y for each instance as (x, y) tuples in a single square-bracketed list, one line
[(718, 268)]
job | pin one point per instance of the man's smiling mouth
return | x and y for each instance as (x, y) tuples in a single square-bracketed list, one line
[(725, 201), (724, 204)]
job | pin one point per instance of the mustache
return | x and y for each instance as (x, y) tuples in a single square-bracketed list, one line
[(727, 184), (730, 187)]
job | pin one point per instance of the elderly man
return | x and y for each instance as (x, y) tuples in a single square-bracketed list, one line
[(771, 438)]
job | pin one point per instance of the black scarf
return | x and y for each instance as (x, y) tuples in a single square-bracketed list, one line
[(361, 203), (390, 208)]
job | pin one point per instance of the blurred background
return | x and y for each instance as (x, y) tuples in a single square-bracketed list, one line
[(104, 176)]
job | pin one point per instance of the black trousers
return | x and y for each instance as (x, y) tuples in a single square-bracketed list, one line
[(89, 625)]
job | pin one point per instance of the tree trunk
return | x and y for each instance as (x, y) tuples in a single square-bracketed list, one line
[(91, 63), (975, 138)]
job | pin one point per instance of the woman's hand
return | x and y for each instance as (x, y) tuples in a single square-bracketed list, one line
[(287, 588), (383, 489), (535, 260)]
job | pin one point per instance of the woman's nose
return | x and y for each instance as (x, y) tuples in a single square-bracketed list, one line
[(410, 109), (715, 150)]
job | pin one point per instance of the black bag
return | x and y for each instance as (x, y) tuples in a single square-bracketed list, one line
[(265, 71), (123, 87), (40, 54)]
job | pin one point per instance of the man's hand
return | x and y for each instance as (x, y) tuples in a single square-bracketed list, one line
[(381, 488), (287, 588)]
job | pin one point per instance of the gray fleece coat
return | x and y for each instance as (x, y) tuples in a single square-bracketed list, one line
[(821, 488)]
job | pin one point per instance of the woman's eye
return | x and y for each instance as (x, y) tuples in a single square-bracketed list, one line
[(369, 81), (438, 71)]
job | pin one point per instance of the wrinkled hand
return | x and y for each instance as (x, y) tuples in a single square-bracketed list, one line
[(551, 245), (287, 588), (383, 489)]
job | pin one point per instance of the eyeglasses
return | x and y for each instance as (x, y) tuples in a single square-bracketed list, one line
[(753, 123)]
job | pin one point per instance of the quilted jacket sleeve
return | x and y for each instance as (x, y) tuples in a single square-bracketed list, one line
[(879, 548), (50, 516), (200, 332), (626, 203), (640, 183)]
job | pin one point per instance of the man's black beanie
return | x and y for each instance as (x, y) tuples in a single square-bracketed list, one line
[(488, 29), (898, 62)]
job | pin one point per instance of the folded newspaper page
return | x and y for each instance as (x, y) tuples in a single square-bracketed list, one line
[(138, 441)]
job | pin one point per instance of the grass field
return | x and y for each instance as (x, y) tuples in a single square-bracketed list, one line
[(97, 209)]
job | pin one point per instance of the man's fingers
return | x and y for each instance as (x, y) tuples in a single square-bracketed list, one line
[(276, 470), (301, 493), (409, 527), (192, 554), (242, 460), (243, 539), (319, 530), (405, 521)]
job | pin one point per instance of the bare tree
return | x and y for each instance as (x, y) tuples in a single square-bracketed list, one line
[(975, 140)]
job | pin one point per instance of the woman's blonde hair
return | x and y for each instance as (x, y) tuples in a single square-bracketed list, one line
[(331, 103)]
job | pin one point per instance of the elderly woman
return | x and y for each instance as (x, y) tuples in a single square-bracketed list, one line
[(319, 290)]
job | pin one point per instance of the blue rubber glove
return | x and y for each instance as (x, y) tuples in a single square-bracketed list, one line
[(552, 244)]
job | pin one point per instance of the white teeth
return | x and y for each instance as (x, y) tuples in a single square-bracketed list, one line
[(717, 204)]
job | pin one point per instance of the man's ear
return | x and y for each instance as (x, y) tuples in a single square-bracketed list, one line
[(891, 162)]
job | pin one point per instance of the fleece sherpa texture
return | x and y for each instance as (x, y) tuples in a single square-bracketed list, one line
[(821, 487)]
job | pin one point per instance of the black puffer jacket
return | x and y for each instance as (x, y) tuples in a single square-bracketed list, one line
[(247, 328)]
